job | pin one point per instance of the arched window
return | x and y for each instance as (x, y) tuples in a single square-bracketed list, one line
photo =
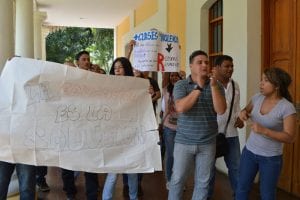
[(215, 30)]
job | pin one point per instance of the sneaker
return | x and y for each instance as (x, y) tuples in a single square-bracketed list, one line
[(44, 187)]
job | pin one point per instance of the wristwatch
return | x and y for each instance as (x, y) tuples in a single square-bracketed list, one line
[(197, 87)]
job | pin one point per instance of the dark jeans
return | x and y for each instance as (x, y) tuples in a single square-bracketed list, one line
[(232, 160), (26, 178), (41, 172), (68, 182), (91, 185)]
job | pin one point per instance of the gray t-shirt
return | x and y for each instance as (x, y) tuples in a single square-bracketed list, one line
[(261, 144)]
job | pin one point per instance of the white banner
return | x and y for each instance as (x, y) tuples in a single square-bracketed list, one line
[(156, 51), (55, 115)]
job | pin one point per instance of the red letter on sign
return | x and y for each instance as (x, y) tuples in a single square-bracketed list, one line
[(160, 59)]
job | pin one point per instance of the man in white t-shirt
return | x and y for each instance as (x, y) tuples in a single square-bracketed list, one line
[(223, 70)]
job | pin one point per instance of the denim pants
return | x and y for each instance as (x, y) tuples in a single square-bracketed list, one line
[(203, 158), (68, 182), (26, 177), (91, 185), (269, 170), (169, 138), (125, 179), (232, 160), (110, 183)]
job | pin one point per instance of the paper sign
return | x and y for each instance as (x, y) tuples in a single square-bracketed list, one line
[(156, 51), (55, 115)]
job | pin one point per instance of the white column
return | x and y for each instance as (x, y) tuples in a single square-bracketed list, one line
[(45, 32), (39, 17), (6, 31), (7, 51), (24, 28)]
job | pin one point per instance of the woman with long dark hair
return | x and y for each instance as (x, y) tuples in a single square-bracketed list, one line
[(120, 67), (273, 123)]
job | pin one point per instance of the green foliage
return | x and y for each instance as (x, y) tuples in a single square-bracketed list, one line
[(62, 45), (102, 48)]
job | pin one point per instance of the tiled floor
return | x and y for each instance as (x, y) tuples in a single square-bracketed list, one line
[(153, 187)]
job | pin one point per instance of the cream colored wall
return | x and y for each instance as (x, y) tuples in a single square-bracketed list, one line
[(241, 40), (197, 26)]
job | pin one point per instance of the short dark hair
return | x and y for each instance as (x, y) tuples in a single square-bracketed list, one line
[(126, 65), (78, 55), (197, 53), (221, 58)]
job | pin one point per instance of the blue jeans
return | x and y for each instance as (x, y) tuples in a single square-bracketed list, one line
[(26, 177), (232, 160), (269, 170), (169, 138), (203, 157), (110, 182), (125, 179)]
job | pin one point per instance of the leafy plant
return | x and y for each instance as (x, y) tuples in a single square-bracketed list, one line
[(63, 44)]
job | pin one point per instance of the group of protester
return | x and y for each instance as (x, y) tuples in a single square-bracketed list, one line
[(203, 103), (195, 109)]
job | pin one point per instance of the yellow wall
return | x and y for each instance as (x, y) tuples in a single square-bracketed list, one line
[(144, 11), (141, 13), (121, 29), (177, 25)]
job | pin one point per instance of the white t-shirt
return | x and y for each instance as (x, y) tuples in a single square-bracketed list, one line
[(222, 119)]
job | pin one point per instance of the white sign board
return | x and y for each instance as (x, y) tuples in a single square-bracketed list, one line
[(55, 115), (156, 51)]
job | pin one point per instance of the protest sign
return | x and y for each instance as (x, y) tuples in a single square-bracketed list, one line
[(156, 51), (55, 115)]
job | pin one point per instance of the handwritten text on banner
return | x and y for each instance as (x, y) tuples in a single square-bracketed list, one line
[(55, 115)]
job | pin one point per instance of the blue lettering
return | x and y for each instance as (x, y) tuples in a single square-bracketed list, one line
[(150, 35), (168, 38)]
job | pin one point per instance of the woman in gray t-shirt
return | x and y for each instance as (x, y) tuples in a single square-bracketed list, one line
[(273, 123)]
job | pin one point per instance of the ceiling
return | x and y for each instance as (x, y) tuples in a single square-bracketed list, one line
[(86, 13)]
